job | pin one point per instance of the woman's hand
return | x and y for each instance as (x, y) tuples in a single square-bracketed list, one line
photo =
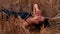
[(35, 18)]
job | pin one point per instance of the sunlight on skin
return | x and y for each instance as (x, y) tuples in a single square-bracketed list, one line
[(36, 17), (37, 14), (36, 11)]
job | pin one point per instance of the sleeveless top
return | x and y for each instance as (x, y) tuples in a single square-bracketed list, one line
[(24, 15)]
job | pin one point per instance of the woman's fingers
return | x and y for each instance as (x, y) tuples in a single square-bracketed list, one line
[(36, 11)]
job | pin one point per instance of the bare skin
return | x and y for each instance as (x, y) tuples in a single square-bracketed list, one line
[(35, 18)]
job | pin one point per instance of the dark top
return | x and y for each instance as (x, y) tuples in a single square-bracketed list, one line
[(23, 15)]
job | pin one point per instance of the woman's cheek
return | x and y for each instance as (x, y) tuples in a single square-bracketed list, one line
[(42, 18)]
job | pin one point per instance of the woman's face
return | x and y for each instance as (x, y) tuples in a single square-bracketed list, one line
[(35, 20), (38, 19)]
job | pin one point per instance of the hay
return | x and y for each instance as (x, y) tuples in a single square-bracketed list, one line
[(12, 25)]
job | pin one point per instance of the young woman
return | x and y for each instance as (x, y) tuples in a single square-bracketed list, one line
[(29, 19), (35, 18)]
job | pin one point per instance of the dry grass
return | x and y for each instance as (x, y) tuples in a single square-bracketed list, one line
[(50, 9), (12, 25)]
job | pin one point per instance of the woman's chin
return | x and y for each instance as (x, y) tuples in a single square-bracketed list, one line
[(36, 22)]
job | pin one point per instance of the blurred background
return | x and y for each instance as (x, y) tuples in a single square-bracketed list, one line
[(49, 8)]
